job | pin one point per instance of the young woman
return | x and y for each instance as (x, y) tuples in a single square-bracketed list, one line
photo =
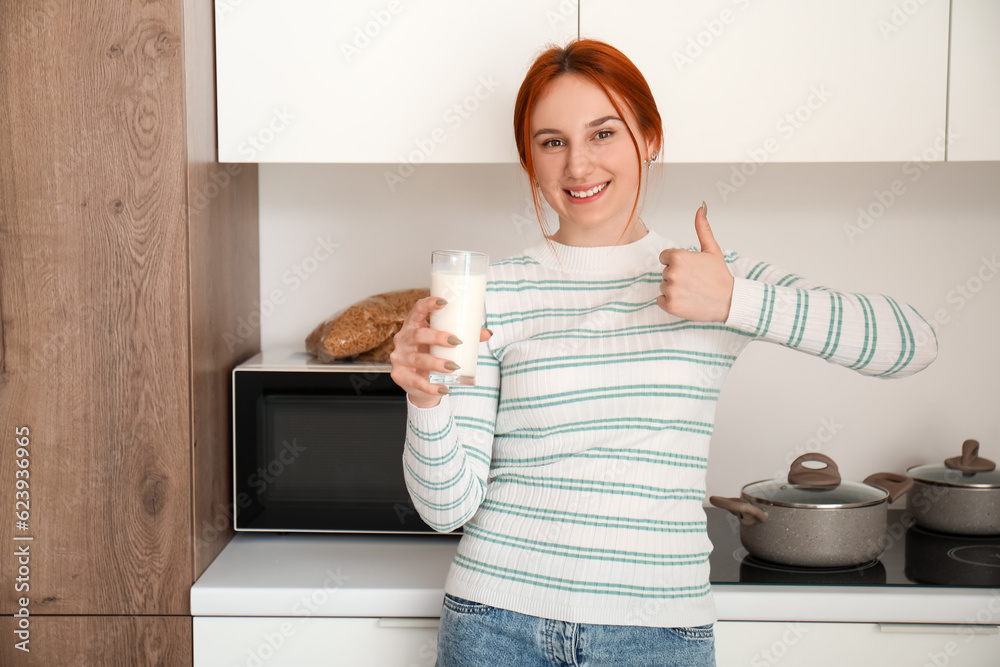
[(576, 465)]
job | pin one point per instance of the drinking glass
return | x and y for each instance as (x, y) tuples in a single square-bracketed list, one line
[(459, 277)]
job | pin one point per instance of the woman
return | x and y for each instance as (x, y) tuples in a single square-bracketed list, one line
[(576, 465)]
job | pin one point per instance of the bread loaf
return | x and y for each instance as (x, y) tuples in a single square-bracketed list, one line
[(364, 329)]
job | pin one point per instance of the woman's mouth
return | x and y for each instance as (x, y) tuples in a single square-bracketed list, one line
[(587, 195)]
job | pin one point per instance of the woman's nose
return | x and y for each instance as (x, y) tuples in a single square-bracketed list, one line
[(580, 160)]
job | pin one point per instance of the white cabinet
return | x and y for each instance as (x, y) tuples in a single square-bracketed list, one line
[(376, 80), (839, 644), (390, 81), (974, 84), (785, 80), (314, 642)]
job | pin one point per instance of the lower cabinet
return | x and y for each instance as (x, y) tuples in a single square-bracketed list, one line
[(95, 641), (763, 644), (412, 642), (314, 642)]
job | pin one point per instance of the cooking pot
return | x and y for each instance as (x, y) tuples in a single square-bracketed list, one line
[(815, 519), (961, 496)]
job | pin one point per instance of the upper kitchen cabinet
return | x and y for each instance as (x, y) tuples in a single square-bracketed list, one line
[(376, 81), (785, 80), (974, 85)]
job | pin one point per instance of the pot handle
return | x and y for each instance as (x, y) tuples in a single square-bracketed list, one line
[(970, 461), (748, 514), (894, 483), (814, 478)]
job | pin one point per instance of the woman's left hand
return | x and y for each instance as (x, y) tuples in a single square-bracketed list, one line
[(697, 286)]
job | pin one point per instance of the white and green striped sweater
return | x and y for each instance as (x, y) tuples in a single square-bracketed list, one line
[(577, 463)]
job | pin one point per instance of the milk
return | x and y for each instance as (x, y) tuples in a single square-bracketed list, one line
[(462, 317)]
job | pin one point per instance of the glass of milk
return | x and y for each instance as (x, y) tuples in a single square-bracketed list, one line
[(459, 277)]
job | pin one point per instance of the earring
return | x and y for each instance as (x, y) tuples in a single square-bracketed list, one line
[(650, 161)]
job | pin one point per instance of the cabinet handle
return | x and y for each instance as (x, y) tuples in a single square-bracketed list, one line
[(409, 622), (938, 629)]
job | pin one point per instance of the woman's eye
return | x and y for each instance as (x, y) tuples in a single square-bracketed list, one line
[(605, 134), (552, 143)]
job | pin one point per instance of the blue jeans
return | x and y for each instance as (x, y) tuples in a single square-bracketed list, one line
[(478, 635)]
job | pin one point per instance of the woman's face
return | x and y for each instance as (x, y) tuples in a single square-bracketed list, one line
[(585, 162)]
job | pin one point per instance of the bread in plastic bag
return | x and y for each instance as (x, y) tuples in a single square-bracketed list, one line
[(364, 329)]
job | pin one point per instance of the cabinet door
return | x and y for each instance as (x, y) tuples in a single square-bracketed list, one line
[(838, 644), (785, 80), (377, 80), (98, 641), (974, 84), (315, 642)]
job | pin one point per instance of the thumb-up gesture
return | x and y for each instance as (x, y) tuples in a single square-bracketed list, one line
[(697, 285)]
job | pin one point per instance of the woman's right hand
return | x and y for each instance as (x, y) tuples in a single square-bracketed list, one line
[(411, 358)]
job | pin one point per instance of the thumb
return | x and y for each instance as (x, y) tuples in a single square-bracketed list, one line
[(704, 231)]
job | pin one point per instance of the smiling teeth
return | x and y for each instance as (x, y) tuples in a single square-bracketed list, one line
[(589, 193)]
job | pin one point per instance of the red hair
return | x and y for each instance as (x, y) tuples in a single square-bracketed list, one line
[(607, 68)]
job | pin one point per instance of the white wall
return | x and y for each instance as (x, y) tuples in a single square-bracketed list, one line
[(932, 238)]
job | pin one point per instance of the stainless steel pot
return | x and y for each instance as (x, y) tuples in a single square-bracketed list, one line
[(961, 496), (815, 519)]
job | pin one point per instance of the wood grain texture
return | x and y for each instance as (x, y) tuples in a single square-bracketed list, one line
[(101, 641), (225, 285), (94, 293)]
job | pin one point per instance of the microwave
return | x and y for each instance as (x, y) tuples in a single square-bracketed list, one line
[(318, 447)]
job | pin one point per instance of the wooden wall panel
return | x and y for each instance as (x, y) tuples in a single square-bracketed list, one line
[(94, 349), (101, 641), (225, 286)]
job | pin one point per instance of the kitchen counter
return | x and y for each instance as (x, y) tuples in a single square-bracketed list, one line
[(402, 576)]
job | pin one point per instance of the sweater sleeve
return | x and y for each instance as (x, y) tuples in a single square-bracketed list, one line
[(448, 449), (869, 333)]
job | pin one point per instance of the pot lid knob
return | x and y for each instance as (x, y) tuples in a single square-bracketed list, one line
[(827, 477), (970, 461)]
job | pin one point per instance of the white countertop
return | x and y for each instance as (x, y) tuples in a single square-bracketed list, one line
[(402, 576)]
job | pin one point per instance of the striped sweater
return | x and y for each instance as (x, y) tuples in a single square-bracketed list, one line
[(576, 465)]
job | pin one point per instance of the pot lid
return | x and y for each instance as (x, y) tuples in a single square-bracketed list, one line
[(814, 488), (843, 495), (967, 471)]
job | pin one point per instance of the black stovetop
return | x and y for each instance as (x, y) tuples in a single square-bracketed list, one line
[(913, 557)]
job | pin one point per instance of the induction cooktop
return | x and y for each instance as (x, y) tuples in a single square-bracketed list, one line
[(913, 557)]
